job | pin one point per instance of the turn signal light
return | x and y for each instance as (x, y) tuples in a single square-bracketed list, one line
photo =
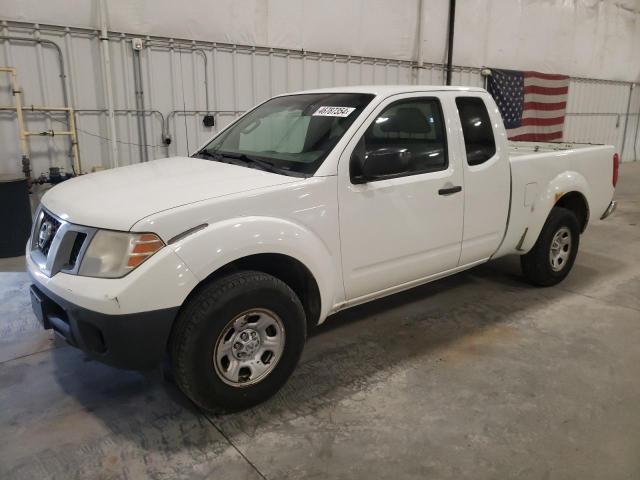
[(143, 247), (616, 167)]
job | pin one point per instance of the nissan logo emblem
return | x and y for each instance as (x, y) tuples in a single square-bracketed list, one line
[(46, 229)]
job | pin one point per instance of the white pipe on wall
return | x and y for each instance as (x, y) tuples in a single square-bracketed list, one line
[(125, 63), (106, 60), (42, 75)]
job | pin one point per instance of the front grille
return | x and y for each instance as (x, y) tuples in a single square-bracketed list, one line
[(57, 245), (75, 249), (46, 232)]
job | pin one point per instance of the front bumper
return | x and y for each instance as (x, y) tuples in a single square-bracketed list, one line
[(132, 341), (123, 322)]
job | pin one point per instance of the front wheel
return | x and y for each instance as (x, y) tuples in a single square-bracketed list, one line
[(237, 341), (552, 257)]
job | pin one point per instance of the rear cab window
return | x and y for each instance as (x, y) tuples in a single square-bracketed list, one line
[(479, 141)]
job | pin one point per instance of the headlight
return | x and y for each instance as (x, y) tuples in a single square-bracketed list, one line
[(114, 254)]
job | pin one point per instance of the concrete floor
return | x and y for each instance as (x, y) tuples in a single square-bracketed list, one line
[(475, 376)]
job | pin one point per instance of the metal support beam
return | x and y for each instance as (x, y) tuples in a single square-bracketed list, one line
[(452, 27)]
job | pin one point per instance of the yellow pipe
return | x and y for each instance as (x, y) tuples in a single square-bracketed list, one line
[(48, 133), (74, 143), (24, 146), (47, 109)]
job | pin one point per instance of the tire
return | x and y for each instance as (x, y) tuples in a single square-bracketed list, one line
[(543, 267), (209, 351)]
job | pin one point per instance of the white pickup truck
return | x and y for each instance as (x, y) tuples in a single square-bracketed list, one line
[(308, 204)]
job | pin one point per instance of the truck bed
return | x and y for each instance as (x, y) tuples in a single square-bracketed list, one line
[(526, 148), (541, 173)]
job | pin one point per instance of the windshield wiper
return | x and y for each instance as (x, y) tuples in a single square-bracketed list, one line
[(217, 157), (233, 157), (207, 154), (251, 160)]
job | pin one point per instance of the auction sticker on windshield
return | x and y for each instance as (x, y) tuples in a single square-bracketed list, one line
[(333, 111)]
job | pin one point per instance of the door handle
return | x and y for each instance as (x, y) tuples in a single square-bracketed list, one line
[(450, 190)]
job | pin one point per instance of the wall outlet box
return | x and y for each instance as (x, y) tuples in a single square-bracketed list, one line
[(137, 43)]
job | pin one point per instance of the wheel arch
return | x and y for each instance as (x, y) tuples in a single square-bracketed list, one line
[(283, 267), (278, 247), (569, 190), (576, 202)]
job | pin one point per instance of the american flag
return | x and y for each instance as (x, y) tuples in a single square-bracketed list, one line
[(532, 104)]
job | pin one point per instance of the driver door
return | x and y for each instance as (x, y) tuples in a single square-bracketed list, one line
[(405, 224)]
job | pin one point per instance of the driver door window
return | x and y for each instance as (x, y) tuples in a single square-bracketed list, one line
[(406, 138)]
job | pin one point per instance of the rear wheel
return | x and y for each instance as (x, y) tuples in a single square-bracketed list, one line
[(552, 257), (237, 341)]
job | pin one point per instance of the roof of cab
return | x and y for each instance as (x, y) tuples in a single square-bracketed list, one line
[(387, 90)]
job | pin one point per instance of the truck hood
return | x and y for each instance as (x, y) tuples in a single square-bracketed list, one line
[(118, 198)]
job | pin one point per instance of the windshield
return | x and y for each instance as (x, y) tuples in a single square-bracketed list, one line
[(291, 135)]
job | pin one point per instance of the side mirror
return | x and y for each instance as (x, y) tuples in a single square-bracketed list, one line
[(379, 164)]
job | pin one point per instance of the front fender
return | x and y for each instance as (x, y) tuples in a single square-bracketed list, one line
[(566, 182), (219, 244)]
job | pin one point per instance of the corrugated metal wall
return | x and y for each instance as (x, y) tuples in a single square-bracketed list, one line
[(597, 113), (225, 80)]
